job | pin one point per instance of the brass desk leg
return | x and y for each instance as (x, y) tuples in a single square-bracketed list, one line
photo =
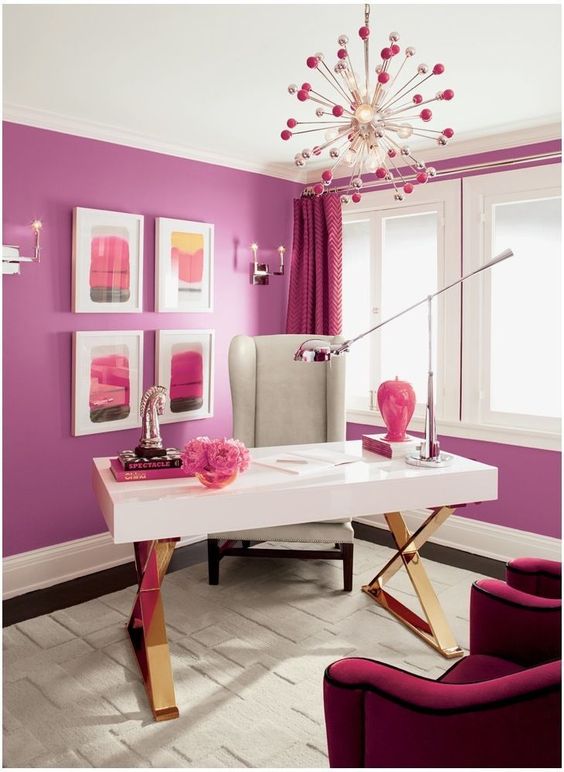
[(147, 626), (434, 628)]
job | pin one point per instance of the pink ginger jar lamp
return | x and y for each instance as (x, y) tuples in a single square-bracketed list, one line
[(396, 400)]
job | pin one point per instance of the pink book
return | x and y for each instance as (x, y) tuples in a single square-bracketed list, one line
[(122, 475)]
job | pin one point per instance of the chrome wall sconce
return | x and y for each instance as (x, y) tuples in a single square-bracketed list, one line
[(260, 272), (11, 258)]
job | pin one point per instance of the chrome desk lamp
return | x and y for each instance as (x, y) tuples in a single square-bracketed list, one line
[(315, 350)]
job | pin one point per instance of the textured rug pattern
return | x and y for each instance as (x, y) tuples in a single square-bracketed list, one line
[(248, 658)]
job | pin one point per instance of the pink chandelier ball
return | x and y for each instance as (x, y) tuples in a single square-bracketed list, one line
[(366, 119)]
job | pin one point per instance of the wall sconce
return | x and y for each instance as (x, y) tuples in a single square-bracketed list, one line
[(11, 258), (260, 272)]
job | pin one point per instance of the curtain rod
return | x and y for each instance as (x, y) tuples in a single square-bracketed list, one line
[(455, 170)]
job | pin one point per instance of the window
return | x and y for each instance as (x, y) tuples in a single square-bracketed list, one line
[(497, 338), (357, 307), (409, 272), (393, 256), (511, 360)]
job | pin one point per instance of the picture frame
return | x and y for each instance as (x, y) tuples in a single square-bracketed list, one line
[(107, 262), (107, 381), (184, 265), (184, 364)]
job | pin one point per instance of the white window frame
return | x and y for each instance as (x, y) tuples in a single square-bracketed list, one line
[(443, 198), (481, 194)]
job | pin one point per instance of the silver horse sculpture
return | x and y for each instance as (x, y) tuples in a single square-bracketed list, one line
[(152, 406)]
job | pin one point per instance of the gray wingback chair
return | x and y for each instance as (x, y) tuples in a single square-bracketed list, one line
[(277, 401)]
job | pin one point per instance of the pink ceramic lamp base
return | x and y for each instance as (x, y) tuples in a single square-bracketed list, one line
[(396, 401)]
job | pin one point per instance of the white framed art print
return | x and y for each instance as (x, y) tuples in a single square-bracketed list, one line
[(184, 265), (107, 381), (184, 365), (107, 262)]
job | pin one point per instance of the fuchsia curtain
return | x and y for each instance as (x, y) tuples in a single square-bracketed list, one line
[(315, 296)]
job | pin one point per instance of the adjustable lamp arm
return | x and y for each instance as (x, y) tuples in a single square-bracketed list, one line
[(322, 350)]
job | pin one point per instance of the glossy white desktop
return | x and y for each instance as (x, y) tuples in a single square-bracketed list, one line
[(155, 514)]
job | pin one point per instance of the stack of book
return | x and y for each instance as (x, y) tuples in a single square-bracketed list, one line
[(376, 443), (128, 467)]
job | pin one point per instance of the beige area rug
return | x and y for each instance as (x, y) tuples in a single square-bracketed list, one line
[(248, 659)]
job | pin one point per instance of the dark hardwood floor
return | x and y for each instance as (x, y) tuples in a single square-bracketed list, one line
[(437, 552), (39, 602)]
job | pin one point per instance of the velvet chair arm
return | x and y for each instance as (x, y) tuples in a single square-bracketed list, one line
[(379, 716), (514, 625), (535, 576)]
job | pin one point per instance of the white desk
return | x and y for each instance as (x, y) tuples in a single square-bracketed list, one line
[(155, 514)]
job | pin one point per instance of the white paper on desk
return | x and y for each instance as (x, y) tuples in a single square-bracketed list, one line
[(294, 463), (331, 456), (307, 463)]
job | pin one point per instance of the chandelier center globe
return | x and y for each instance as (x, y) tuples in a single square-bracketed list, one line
[(366, 116)]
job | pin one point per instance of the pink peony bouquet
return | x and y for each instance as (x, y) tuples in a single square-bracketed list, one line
[(203, 455)]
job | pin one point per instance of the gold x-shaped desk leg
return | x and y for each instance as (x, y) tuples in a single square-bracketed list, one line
[(434, 629), (147, 626)]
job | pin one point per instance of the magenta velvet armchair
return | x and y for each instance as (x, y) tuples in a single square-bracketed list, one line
[(498, 707)]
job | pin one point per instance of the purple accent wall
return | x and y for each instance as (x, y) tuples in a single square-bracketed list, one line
[(529, 486), (47, 492)]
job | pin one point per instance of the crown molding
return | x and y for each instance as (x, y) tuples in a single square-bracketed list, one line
[(45, 119), (467, 144), (473, 143), (505, 137)]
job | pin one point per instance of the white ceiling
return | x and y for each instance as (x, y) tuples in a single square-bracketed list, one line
[(210, 81)]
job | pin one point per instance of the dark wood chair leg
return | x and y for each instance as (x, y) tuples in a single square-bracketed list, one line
[(213, 561), (246, 544), (348, 552)]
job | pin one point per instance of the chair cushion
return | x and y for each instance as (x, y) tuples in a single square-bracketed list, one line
[(334, 531), (479, 667)]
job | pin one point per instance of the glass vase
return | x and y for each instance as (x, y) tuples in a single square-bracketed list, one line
[(216, 479)]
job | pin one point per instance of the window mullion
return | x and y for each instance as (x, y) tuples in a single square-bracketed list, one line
[(376, 249)]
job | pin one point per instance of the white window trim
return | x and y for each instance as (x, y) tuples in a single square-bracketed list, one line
[(466, 425), (504, 435), (445, 196), (480, 192)]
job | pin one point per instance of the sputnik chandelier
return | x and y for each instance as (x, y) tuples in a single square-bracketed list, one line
[(365, 127)]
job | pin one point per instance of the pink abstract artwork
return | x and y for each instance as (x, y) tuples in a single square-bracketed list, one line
[(109, 397), (186, 377), (109, 265), (187, 257)]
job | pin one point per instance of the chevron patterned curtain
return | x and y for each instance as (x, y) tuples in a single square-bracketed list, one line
[(315, 296)]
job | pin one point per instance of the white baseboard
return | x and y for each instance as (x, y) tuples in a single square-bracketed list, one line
[(492, 541), (52, 565), (48, 566)]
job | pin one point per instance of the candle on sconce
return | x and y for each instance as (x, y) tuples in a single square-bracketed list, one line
[(36, 226), (254, 249), (261, 272)]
